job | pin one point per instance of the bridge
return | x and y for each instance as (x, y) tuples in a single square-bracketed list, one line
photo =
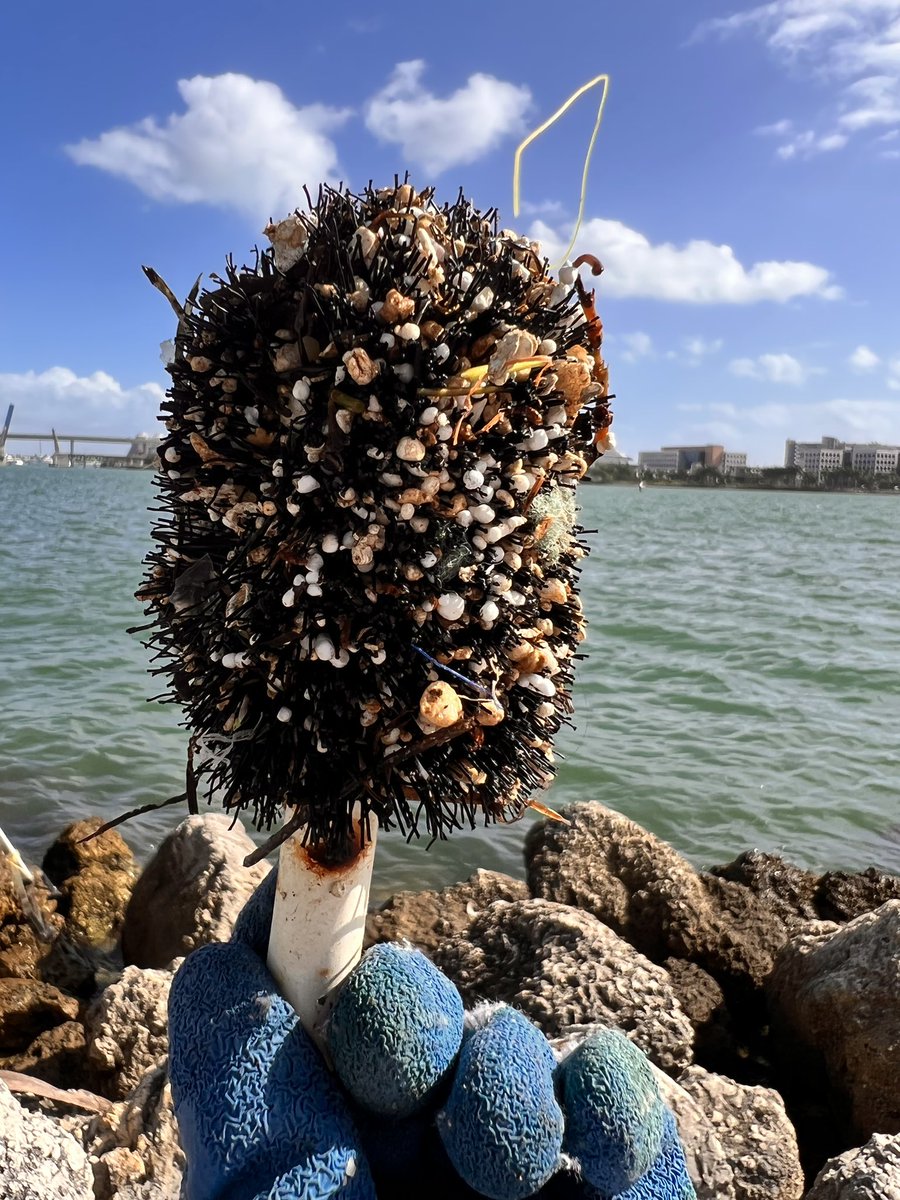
[(139, 451)]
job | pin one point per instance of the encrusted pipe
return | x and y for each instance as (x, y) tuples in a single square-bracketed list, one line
[(318, 924)]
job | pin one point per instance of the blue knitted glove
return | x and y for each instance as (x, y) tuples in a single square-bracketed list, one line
[(421, 1102)]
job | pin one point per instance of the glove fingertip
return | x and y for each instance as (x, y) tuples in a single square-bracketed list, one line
[(501, 1127), (395, 1030)]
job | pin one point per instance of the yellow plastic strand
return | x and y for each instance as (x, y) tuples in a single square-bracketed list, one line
[(517, 160)]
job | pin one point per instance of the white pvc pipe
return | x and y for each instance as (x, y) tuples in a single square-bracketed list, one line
[(318, 926)]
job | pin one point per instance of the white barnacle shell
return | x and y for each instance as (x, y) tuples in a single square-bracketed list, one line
[(408, 332), (323, 648), (483, 513), (305, 484), (451, 606), (284, 714), (410, 449), (288, 238), (440, 705)]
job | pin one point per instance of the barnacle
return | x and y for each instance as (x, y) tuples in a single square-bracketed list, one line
[(384, 487)]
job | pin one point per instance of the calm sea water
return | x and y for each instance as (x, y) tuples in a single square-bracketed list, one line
[(741, 688)]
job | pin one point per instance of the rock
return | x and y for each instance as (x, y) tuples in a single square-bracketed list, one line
[(716, 1042), (190, 892), (789, 890), (95, 879), (127, 1029), (754, 1130), (38, 1159), (428, 918), (563, 967), (643, 889), (845, 895), (869, 1172), (708, 1165), (135, 1146), (833, 994), (70, 854), (21, 947), (800, 895), (94, 902), (27, 1008), (56, 1056)]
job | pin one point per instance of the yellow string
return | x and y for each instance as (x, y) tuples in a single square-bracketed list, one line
[(517, 161)]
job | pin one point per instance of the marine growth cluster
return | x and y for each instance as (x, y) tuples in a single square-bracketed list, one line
[(363, 579)]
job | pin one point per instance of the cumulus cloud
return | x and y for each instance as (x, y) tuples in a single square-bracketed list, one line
[(635, 346), (773, 368), (698, 348), (699, 272), (239, 143), (864, 359), (80, 404), (437, 133), (853, 44)]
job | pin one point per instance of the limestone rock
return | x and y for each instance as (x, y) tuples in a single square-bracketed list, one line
[(642, 888), (790, 890), (845, 895), (708, 1165), (870, 1172), (428, 918), (70, 854), (38, 1159), (834, 992), (135, 1145), (57, 1056), (191, 891), (801, 895), (563, 967), (27, 1008), (127, 1029), (759, 1140), (21, 945)]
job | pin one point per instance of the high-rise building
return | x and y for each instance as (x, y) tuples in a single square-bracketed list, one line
[(831, 453)]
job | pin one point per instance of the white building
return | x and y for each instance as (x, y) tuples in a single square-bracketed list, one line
[(733, 462), (658, 460), (831, 454), (874, 458)]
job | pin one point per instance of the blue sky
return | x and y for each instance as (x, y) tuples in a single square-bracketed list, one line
[(743, 194)]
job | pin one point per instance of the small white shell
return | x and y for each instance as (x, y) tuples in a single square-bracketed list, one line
[(305, 484), (451, 606), (410, 449)]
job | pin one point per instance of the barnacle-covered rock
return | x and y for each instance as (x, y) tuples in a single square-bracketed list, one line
[(372, 440), (501, 1126), (395, 1031)]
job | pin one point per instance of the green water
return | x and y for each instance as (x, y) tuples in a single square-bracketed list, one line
[(741, 687)]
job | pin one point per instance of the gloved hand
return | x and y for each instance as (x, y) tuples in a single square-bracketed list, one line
[(418, 1104)]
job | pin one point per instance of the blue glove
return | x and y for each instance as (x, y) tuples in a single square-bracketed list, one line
[(420, 1101)]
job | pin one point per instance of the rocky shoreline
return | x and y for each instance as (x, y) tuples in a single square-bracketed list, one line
[(767, 998)]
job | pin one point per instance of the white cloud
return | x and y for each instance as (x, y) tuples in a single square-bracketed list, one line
[(636, 345), (864, 359), (893, 376), (851, 44), (698, 347), (761, 429), (699, 272), (240, 143), (80, 404), (773, 368), (438, 133)]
